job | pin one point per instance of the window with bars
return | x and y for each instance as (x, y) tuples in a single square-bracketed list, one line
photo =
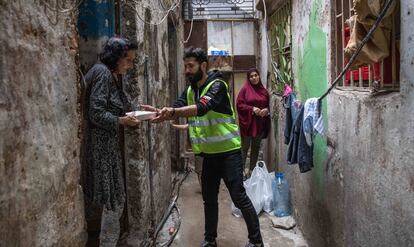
[(230, 46), (381, 75), (218, 9), (281, 44)]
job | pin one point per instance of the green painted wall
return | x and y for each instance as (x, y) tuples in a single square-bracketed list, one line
[(310, 72)]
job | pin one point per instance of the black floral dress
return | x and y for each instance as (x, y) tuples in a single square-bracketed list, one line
[(102, 158)]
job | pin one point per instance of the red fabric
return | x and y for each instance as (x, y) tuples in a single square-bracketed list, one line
[(204, 100), (253, 96)]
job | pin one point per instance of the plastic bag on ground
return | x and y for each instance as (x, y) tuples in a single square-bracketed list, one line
[(259, 190)]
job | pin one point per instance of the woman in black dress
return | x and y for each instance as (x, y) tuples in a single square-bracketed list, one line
[(106, 105)]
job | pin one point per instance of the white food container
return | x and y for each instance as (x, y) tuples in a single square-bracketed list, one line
[(142, 115)]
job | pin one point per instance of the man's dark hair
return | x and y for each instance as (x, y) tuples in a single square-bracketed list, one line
[(197, 53), (114, 49)]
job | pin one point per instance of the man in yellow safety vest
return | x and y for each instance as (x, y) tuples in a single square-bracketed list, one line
[(215, 136)]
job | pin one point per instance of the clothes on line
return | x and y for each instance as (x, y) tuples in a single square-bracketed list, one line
[(302, 122), (292, 106), (312, 120), (299, 152)]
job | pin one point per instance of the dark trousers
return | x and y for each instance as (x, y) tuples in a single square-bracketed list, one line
[(254, 144), (228, 167)]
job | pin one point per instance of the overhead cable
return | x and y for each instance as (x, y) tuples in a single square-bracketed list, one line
[(135, 8)]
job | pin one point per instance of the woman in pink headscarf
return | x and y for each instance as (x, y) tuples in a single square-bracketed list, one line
[(254, 119)]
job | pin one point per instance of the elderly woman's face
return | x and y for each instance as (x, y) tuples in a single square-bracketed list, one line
[(125, 63), (254, 78)]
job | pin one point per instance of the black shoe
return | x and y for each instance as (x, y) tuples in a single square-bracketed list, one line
[(249, 244), (208, 244)]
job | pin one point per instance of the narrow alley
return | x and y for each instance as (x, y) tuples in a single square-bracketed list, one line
[(232, 229), (119, 119)]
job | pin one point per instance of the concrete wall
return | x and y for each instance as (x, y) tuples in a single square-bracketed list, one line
[(373, 155), (263, 53), (360, 192), (316, 210), (41, 203), (148, 149)]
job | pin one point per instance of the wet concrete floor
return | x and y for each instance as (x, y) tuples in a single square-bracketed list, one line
[(232, 231)]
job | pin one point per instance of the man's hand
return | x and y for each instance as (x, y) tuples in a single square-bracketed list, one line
[(149, 108), (178, 126), (165, 113), (264, 112), (129, 121)]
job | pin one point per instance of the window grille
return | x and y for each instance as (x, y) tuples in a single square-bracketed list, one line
[(281, 42), (383, 75), (218, 9)]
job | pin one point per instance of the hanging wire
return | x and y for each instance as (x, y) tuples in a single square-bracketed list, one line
[(53, 9), (134, 6), (181, 26), (166, 13), (161, 2), (358, 50), (147, 6), (191, 30), (58, 7)]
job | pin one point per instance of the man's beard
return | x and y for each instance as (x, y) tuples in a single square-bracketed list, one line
[(194, 78)]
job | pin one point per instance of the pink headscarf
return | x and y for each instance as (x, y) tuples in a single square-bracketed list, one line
[(252, 96)]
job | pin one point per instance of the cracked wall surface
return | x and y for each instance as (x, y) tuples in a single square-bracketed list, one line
[(361, 188), (41, 203), (148, 149)]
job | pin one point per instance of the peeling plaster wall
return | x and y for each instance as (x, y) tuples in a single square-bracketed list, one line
[(361, 190), (148, 149), (41, 203), (317, 211), (373, 155), (263, 57)]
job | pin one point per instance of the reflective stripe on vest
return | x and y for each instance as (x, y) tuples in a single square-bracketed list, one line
[(213, 139), (214, 132), (199, 123)]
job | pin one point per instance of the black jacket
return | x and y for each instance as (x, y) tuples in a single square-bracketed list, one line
[(298, 150), (215, 99), (288, 118)]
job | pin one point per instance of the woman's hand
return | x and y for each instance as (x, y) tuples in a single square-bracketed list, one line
[(264, 112), (256, 111), (129, 121)]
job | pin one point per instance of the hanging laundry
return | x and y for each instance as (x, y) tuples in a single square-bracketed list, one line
[(292, 106), (298, 150), (288, 117), (312, 120)]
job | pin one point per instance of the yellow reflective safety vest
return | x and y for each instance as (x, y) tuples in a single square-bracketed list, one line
[(214, 132)]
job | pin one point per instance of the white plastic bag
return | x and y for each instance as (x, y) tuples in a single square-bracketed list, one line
[(259, 190), (267, 196)]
